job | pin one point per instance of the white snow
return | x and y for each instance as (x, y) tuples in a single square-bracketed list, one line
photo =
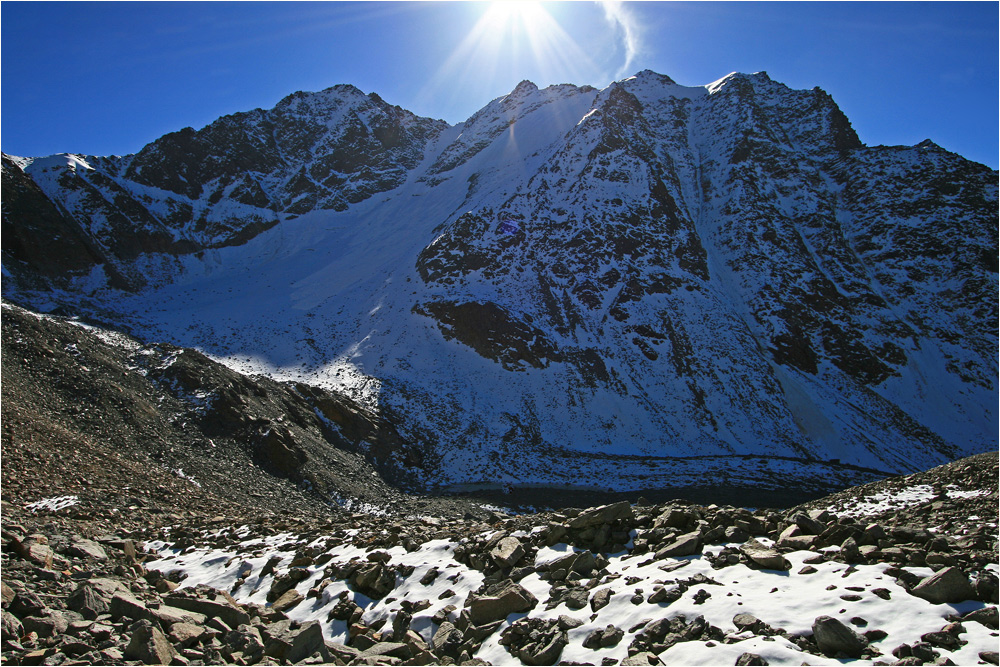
[(53, 504), (788, 600)]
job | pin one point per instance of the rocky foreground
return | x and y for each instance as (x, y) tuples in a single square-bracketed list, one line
[(901, 571)]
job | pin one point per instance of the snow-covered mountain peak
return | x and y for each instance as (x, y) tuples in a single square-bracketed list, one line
[(68, 161), (572, 281)]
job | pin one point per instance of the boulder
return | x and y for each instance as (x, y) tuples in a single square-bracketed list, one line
[(148, 645), (227, 613), (763, 556), (544, 652), (183, 635), (834, 637), (986, 616), (750, 659), (447, 641), (807, 524), (11, 627), (600, 599), (293, 644), (53, 623), (597, 516), (609, 636), (246, 639), (34, 548), (124, 605), (947, 585), (288, 600), (508, 598), (507, 552), (688, 544), (83, 548)]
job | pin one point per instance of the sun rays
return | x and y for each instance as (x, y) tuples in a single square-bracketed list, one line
[(509, 40)]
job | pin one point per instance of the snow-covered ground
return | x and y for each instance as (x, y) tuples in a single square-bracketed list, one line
[(863, 596)]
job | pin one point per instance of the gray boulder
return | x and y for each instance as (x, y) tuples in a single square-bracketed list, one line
[(688, 544), (149, 645), (507, 552), (763, 556), (601, 515), (834, 637), (508, 598), (947, 585)]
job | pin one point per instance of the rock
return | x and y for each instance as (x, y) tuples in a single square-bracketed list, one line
[(688, 544), (986, 616), (751, 659), (287, 600), (51, 624), (183, 635), (34, 548), (391, 649), (576, 598), (227, 613), (744, 622), (447, 641), (988, 588), (641, 659), (765, 557), (285, 582), (850, 552), (508, 598), (168, 615), (807, 524), (343, 653), (834, 637), (11, 626), (992, 657), (601, 515), (124, 605), (507, 552), (601, 599), (947, 585), (247, 640), (87, 601), (544, 653), (294, 644), (585, 563), (568, 622), (83, 548), (374, 579), (6, 593), (26, 603), (149, 645), (609, 636), (796, 543)]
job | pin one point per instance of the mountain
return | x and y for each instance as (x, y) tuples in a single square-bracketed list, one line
[(645, 286)]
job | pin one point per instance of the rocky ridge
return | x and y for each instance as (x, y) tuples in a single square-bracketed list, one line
[(81, 587), (649, 271)]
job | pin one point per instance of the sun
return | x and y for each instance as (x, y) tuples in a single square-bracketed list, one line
[(516, 15), (511, 40)]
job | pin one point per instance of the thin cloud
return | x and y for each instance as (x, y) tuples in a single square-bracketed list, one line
[(624, 23)]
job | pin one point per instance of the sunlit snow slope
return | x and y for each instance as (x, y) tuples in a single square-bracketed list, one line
[(575, 286)]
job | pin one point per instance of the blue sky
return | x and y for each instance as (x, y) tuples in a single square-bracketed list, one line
[(108, 77)]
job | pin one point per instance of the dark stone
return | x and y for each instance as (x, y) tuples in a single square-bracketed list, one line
[(834, 637)]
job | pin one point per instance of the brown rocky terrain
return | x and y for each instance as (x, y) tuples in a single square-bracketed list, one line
[(130, 471)]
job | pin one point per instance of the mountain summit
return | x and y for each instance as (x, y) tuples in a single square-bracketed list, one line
[(645, 286)]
